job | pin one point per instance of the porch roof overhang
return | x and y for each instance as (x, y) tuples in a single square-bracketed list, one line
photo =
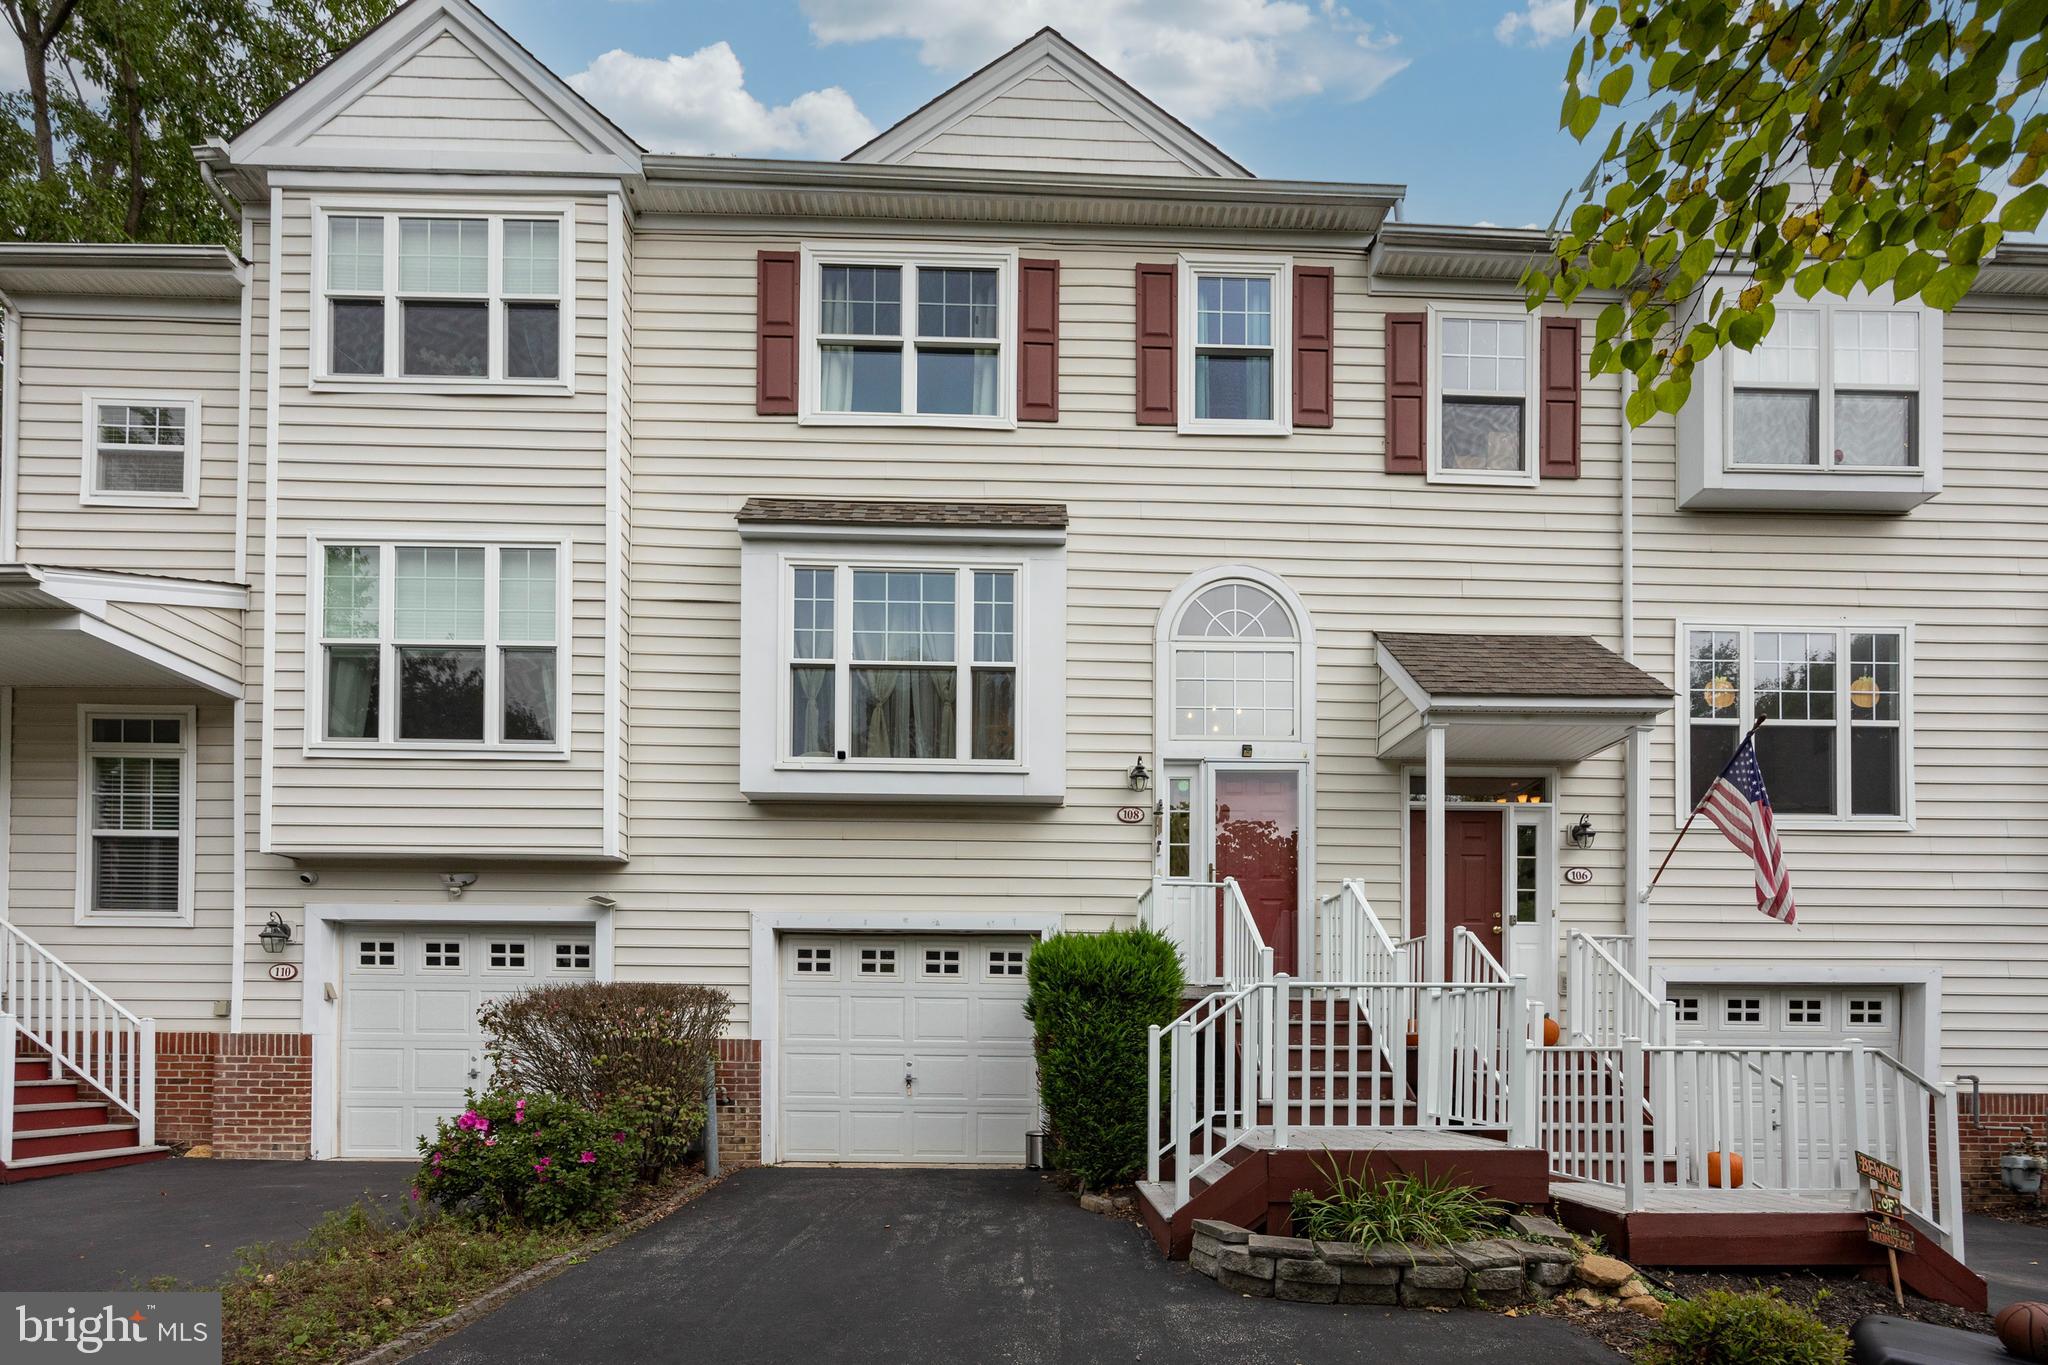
[(1504, 698), (80, 628)]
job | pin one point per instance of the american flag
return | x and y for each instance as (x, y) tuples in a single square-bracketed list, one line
[(1738, 804)]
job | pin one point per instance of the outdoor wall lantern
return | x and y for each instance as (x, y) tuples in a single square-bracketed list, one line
[(276, 936), (1140, 779), (1581, 833)]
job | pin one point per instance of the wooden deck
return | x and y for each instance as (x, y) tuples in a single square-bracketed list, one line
[(1375, 1140), (1665, 1199)]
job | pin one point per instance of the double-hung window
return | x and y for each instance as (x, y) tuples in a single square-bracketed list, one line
[(135, 814), (901, 664), (141, 450), (453, 296), (1484, 378), (898, 337), (440, 646), (1234, 318), (1833, 745), (1834, 388)]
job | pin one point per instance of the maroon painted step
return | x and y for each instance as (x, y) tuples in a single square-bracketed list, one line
[(63, 1125)]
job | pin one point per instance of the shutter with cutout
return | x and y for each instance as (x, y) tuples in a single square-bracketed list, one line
[(775, 328), (1038, 341), (1157, 287), (1558, 436), (1315, 326), (1407, 363)]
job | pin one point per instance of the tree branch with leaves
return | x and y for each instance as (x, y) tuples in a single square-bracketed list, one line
[(1818, 145)]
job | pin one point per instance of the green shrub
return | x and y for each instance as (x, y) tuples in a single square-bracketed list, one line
[(1091, 999), (647, 1043), (1402, 1209), (1720, 1328), (532, 1159)]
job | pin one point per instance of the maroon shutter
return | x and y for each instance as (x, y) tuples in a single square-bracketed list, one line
[(1407, 392), (1315, 326), (1038, 341), (1157, 287), (775, 305), (1560, 370)]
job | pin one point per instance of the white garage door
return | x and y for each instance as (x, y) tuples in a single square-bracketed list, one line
[(905, 1050), (411, 1044)]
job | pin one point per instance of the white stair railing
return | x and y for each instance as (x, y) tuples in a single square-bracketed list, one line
[(85, 1031), (1353, 945), (1911, 1123), (1188, 913), (1218, 1064), (1605, 1002)]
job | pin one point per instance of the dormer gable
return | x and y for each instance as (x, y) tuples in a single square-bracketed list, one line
[(436, 86), (1045, 105)]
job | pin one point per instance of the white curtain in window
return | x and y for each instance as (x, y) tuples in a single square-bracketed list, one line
[(835, 378)]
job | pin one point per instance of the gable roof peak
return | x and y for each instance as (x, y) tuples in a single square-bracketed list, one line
[(1158, 142)]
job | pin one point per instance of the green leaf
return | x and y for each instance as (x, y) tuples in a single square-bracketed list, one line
[(1918, 269), (2024, 213), (1842, 276), (1642, 406), (1698, 258), (1809, 281), (1614, 86), (1948, 286), (1581, 117), (1609, 322)]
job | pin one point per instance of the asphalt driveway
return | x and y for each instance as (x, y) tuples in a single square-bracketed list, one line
[(2012, 1258), (779, 1265), (121, 1228)]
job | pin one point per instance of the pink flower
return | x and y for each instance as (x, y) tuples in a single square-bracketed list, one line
[(618, 1137), (543, 1163), (519, 1112), (490, 1142), (587, 1158), (415, 1193)]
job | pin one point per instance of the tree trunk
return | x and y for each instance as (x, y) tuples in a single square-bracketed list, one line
[(34, 57), (131, 112)]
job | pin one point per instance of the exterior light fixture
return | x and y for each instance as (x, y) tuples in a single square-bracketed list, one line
[(1141, 780), (1581, 833), (275, 936)]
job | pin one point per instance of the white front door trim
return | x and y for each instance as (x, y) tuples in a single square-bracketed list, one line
[(320, 978), (764, 986)]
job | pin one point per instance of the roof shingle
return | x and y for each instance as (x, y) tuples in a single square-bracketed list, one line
[(863, 512), (1458, 664)]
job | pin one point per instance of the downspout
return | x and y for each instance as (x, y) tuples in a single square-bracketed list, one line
[(239, 781), (1636, 914), (10, 424)]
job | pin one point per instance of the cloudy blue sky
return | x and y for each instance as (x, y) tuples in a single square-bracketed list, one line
[(1457, 99)]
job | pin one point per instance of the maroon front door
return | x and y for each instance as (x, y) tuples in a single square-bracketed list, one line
[(1472, 853), (1258, 841)]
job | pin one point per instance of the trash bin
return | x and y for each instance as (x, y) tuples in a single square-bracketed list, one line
[(1034, 1151)]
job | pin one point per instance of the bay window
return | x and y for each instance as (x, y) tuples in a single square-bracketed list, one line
[(1834, 701), (440, 646), (441, 296), (136, 814), (910, 337), (1234, 316)]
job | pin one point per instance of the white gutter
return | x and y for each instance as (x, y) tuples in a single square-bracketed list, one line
[(10, 424)]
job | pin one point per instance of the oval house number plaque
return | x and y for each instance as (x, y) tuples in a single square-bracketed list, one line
[(1130, 815), (284, 971), (1578, 876)]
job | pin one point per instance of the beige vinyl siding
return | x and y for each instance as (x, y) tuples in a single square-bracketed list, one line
[(208, 636), (1967, 890), (1148, 507), (1047, 123), (386, 462), (175, 972), (1398, 716), (63, 359), (444, 93)]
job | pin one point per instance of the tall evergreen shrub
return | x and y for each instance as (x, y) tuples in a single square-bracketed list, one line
[(1092, 998)]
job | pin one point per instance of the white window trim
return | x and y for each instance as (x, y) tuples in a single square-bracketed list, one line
[(815, 256), (1746, 715), (188, 820), (963, 570), (1278, 269), (1528, 475), (1926, 413), (315, 742), (88, 471), (495, 212), (1167, 747)]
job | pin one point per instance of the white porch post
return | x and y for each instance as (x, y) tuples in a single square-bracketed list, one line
[(1636, 913), (1433, 857)]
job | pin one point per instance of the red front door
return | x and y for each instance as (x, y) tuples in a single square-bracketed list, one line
[(1258, 841), (1472, 853)]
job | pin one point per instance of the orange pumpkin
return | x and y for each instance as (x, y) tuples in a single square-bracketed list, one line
[(1734, 1170), (1551, 1032), (1414, 1037)]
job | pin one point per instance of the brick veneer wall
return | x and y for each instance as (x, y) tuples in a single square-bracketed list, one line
[(244, 1094), (2006, 1117), (739, 1101)]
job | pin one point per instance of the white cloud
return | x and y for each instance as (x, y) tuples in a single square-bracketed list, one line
[(1538, 24), (700, 104), (1196, 57)]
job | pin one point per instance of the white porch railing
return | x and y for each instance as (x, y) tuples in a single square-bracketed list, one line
[(1353, 945), (85, 1031), (1793, 1116), (1212, 926), (1219, 1058), (1471, 961), (1605, 1003)]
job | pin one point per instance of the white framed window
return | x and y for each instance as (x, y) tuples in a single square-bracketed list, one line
[(1833, 388), (572, 955), (942, 962), (1482, 384), (506, 954), (908, 336), (1236, 328), (1685, 1009), (878, 962), (441, 954), (1805, 1011), (901, 663), (1836, 745), (1742, 1011), (443, 295), (426, 648), (136, 822), (140, 450), (1866, 1012), (377, 955), (1236, 661), (814, 960), (1005, 962)]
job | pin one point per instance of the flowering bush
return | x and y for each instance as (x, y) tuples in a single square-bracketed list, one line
[(536, 1160)]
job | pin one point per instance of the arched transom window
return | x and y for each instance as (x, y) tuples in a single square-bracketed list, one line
[(1236, 666)]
